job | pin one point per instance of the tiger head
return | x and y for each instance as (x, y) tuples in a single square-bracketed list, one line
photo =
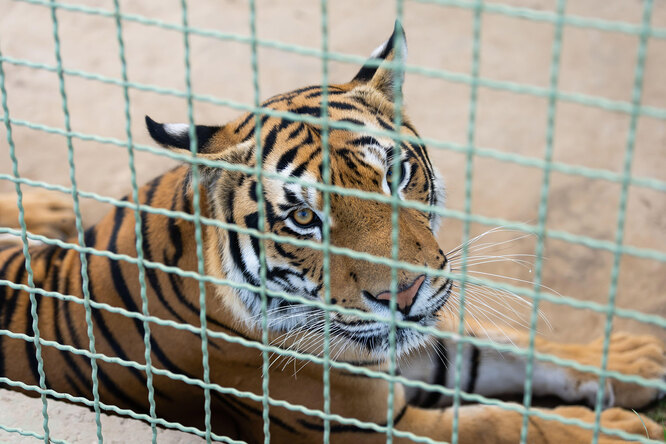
[(292, 164)]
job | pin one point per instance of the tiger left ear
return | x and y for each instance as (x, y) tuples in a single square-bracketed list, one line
[(176, 136), (385, 70)]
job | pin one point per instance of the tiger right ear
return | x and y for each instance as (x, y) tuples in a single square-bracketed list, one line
[(385, 70), (176, 136)]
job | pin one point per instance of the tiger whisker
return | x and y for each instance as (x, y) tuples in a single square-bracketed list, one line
[(476, 238), (474, 315), (513, 279), (482, 259), (501, 295), (485, 245), (497, 294), (296, 346), (479, 303), (310, 350)]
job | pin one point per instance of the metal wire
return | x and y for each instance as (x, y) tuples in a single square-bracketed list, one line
[(543, 213)]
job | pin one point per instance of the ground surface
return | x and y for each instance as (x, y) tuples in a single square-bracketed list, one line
[(593, 62)]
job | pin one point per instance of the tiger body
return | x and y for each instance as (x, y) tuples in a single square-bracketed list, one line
[(292, 149)]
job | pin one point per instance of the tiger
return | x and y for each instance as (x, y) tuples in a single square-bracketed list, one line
[(239, 238)]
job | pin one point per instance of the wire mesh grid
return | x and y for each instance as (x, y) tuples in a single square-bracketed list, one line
[(558, 19)]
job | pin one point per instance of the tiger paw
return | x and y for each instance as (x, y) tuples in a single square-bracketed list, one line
[(46, 213), (643, 356), (613, 419), (631, 422)]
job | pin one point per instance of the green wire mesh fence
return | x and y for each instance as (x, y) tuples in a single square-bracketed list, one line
[(560, 22)]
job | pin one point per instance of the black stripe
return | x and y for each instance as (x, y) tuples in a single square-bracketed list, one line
[(7, 246), (247, 120), (282, 252), (353, 121), (315, 87), (176, 281), (4, 290), (229, 402), (31, 346), (330, 92), (439, 377), (175, 238), (52, 282), (473, 370), (252, 221), (345, 428), (259, 412), (151, 273), (343, 106), (277, 99), (287, 158), (384, 124), (49, 252), (271, 137), (176, 241), (104, 379), (364, 141), (8, 262), (298, 172), (234, 248), (369, 363), (123, 291), (10, 303), (315, 111), (75, 388), (66, 355), (187, 181), (296, 131), (100, 323), (410, 127), (195, 310)]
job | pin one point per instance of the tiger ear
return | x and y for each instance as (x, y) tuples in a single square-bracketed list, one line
[(385, 70), (176, 136)]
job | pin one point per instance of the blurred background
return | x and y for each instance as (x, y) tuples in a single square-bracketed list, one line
[(593, 62)]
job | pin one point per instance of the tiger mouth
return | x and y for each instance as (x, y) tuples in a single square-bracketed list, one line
[(372, 336)]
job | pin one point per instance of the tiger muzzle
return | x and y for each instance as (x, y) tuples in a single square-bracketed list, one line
[(405, 298)]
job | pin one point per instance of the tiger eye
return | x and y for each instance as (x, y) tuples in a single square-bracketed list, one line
[(389, 177), (389, 174), (304, 216)]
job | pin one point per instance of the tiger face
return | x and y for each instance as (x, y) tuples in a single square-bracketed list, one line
[(357, 161)]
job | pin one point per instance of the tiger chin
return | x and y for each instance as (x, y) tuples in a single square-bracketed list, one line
[(233, 260)]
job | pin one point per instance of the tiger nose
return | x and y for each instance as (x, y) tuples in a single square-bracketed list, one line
[(405, 298)]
